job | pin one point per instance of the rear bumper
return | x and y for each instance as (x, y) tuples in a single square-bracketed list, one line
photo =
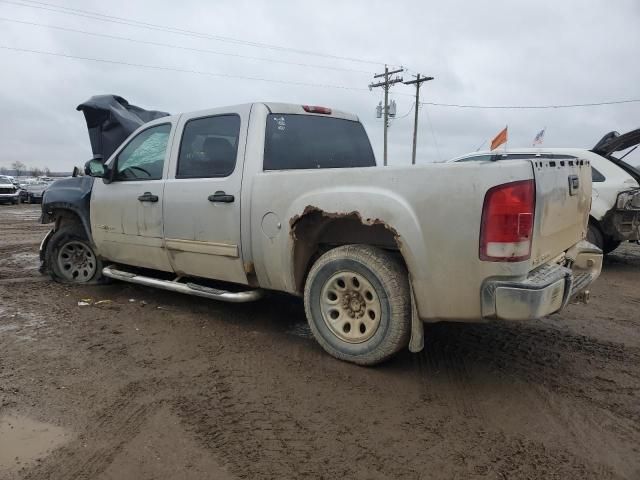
[(546, 290)]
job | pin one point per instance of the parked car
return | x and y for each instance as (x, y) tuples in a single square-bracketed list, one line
[(33, 192), (9, 193), (615, 208), (272, 196)]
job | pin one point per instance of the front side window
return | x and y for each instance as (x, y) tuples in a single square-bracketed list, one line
[(209, 147), (308, 141), (143, 157)]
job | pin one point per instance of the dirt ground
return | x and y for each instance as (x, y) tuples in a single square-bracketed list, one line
[(155, 385)]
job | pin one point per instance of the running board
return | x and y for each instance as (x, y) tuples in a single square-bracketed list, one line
[(188, 288)]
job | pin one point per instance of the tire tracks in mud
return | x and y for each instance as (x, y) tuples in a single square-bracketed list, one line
[(574, 366), (261, 429), (107, 433)]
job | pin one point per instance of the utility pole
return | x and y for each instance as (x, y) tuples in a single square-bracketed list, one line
[(385, 85), (417, 83)]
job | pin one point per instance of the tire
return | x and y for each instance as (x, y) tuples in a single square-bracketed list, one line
[(610, 245), (594, 235), (373, 309), (70, 257)]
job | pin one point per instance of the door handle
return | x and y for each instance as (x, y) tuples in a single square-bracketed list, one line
[(221, 197), (148, 197)]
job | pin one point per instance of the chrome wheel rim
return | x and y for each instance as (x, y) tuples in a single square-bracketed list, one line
[(350, 307), (76, 262)]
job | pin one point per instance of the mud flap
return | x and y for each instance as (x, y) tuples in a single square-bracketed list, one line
[(43, 248), (416, 343)]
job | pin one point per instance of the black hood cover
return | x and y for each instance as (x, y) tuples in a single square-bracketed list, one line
[(613, 142), (110, 120)]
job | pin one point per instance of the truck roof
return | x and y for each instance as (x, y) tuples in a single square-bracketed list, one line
[(277, 108)]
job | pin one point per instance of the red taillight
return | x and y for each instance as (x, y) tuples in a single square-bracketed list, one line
[(507, 222), (316, 109)]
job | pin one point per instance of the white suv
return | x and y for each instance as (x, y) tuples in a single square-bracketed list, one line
[(615, 207)]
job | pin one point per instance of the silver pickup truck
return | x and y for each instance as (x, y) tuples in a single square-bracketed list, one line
[(230, 202)]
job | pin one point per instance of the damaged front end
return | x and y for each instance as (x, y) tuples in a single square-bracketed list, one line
[(622, 223)]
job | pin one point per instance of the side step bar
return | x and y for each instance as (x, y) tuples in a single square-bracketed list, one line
[(188, 288)]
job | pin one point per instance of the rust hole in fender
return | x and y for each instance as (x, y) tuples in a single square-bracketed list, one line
[(315, 231)]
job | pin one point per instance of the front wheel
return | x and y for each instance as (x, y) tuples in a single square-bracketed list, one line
[(358, 304), (70, 258)]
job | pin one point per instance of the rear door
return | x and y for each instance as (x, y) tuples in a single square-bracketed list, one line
[(202, 205), (563, 200)]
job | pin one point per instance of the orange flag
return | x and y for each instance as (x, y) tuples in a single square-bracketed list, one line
[(499, 139)]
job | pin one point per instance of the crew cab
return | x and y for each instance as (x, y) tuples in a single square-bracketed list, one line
[(230, 202), (615, 209)]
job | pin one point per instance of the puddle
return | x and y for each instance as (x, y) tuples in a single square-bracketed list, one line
[(25, 213), (25, 322), (29, 261), (24, 440)]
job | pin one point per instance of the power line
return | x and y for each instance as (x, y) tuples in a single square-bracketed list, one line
[(164, 28), (160, 44), (286, 82), (530, 107), (174, 69)]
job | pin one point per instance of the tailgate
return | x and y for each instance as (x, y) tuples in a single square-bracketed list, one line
[(563, 201)]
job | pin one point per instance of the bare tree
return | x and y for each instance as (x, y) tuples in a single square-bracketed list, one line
[(47, 171), (3, 171), (35, 172), (19, 167)]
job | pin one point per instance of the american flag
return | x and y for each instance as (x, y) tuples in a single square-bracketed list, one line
[(539, 137)]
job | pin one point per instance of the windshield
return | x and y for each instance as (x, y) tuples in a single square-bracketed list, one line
[(5, 181)]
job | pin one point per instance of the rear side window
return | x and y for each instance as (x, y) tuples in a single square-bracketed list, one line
[(307, 141), (596, 176), (209, 147)]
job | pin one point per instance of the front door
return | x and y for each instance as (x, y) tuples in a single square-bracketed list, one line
[(126, 213), (202, 197)]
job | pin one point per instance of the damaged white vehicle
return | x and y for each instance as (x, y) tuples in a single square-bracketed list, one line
[(615, 208), (230, 202)]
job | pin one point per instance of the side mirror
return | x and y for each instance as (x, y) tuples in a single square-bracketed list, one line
[(95, 168)]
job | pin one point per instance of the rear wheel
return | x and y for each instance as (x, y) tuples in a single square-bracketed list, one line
[(358, 304), (70, 258)]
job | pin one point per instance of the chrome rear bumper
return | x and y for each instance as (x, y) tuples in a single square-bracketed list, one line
[(546, 290)]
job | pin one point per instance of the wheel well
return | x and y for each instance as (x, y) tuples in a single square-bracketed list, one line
[(62, 217), (597, 224), (316, 232)]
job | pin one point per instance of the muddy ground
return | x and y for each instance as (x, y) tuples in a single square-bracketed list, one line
[(159, 385)]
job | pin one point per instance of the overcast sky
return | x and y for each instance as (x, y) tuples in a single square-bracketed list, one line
[(481, 52)]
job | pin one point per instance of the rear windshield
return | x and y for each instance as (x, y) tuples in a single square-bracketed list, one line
[(307, 141)]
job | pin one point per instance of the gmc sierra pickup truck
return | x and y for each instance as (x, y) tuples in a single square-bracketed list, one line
[(230, 202)]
